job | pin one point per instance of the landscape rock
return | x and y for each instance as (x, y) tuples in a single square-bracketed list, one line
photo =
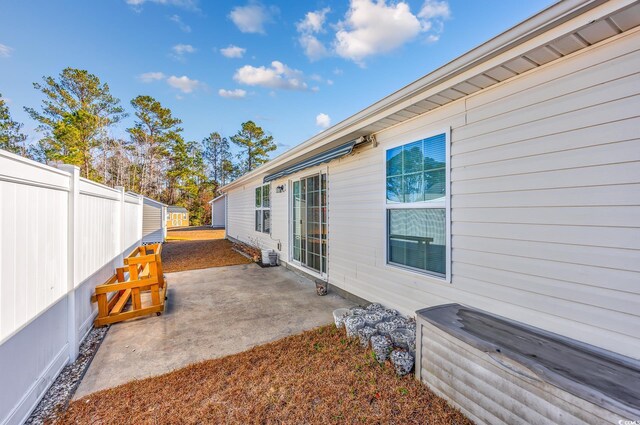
[(375, 307), (339, 315), (357, 311), (352, 324), (385, 328), (373, 318), (403, 362), (365, 334), (381, 347)]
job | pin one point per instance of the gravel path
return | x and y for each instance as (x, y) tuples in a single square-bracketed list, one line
[(57, 398)]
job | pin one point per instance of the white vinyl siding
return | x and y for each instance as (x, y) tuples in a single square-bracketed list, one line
[(545, 200), (218, 212), (152, 223)]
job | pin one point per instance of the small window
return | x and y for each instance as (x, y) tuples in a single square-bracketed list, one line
[(184, 216), (263, 209), (417, 205)]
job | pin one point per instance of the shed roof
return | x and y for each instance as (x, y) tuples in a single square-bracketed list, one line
[(173, 208), (217, 198), (148, 200), (557, 31)]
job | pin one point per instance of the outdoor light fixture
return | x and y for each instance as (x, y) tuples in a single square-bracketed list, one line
[(280, 189)]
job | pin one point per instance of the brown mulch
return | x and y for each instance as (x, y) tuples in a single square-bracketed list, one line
[(316, 377), (194, 248)]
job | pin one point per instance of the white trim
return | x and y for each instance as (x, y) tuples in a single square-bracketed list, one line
[(424, 204), (33, 183), (262, 208), (307, 270)]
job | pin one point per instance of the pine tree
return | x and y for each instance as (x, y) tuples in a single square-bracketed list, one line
[(216, 152), (11, 138), (153, 134), (75, 113), (255, 146)]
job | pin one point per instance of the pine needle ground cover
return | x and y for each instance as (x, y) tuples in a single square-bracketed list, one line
[(316, 377), (198, 248)]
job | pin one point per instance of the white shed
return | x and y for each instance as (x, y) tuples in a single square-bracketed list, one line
[(154, 227), (218, 212)]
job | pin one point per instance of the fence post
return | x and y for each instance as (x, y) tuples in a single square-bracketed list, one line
[(140, 217), (122, 223), (72, 255)]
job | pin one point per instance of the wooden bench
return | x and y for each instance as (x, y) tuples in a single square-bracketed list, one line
[(142, 272)]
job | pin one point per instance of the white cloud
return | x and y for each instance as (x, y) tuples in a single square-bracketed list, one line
[(178, 21), (323, 120), (5, 51), (149, 77), (277, 76), (185, 4), (433, 9), (372, 28), (232, 94), (233, 51), (313, 22), (184, 83), (314, 49), (252, 17), (181, 49)]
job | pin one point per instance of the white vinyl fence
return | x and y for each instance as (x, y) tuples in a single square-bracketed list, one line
[(60, 236)]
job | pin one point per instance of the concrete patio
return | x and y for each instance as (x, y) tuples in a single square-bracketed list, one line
[(210, 313)]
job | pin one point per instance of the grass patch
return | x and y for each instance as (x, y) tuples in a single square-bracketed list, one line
[(315, 377)]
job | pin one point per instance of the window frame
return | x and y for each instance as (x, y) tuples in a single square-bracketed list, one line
[(408, 139), (261, 208)]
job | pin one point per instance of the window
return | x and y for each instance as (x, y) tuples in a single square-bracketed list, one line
[(184, 216), (263, 209), (417, 205)]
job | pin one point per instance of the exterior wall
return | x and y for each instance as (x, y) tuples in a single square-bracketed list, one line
[(60, 236), (545, 185), (153, 226), (218, 210)]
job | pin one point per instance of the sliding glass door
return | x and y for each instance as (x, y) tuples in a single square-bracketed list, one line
[(309, 222)]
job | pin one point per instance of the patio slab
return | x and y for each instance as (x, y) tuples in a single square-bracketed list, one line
[(210, 313)]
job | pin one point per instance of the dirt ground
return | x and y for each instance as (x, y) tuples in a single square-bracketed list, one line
[(199, 233), (191, 248), (315, 377)]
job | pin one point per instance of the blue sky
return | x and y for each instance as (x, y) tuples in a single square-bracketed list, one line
[(292, 67)]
